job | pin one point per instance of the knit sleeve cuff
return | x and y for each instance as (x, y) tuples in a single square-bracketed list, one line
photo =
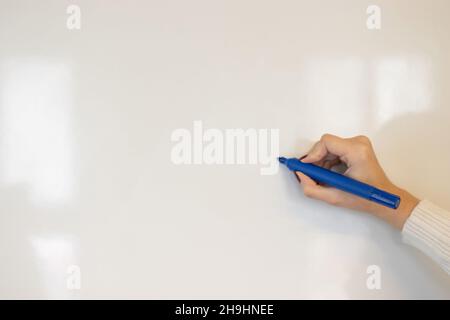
[(428, 229)]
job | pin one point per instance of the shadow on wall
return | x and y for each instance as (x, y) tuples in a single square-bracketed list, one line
[(417, 145), (411, 136)]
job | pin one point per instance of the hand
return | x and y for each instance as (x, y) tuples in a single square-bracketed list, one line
[(361, 164)]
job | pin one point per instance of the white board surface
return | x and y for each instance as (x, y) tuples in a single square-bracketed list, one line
[(92, 205)]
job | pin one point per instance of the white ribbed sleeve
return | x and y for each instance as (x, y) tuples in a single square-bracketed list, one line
[(428, 229)]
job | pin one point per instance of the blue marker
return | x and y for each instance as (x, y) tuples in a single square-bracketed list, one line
[(339, 181)]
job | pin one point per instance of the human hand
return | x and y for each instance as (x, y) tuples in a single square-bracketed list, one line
[(358, 156)]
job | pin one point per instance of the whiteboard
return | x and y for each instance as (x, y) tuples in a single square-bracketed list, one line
[(93, 205)]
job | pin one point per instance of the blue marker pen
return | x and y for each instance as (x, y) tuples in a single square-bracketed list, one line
[(339, 181)]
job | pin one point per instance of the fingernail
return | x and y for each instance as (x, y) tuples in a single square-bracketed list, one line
[(301, 158), (298, 178)]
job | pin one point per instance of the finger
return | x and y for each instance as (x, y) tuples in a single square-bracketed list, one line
[(329, 146), (335, 162), (317, 153), (329, 195), (336, 145), (320, 163), (297, 177), (312, 190), (328, 164), (305, 179)]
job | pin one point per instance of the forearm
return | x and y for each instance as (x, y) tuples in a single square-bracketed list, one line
[(428, 229)]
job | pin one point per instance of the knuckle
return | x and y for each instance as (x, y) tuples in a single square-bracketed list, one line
[(364, 150), (363, 139), (325, 136), (362, 147)]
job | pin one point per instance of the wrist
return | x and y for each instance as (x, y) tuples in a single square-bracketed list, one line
[(397, 217)]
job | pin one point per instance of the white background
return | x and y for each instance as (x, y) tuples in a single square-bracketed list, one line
[(85, 122)]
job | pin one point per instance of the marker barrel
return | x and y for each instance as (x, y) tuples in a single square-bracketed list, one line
[(344, 183)]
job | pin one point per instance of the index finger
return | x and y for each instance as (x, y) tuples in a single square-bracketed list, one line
[(329, 147)]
